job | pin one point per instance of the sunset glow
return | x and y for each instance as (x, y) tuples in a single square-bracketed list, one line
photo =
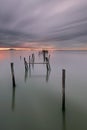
[(46, 48)]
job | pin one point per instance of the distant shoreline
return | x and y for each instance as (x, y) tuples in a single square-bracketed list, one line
[(38, 50)]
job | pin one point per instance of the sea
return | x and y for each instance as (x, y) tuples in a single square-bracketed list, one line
[(35, 102)]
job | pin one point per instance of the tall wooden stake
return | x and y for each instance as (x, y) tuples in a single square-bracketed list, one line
[(12, 72), (63, 90)]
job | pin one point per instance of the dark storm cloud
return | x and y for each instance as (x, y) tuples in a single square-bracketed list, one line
[(61, 23)]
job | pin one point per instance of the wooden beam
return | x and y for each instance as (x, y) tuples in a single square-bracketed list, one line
[(37, 63)]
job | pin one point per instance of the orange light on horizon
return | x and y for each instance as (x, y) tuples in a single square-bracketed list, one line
[(36, 48), (43, 48), (4, 48)]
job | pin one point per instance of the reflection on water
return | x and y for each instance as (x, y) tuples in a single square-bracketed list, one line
[(47, 75), (64, 120), (36, 76), (39, 105), (13, 98), (29, 71), (26, 75)]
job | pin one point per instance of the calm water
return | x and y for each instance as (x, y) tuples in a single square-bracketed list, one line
[(36, 101)]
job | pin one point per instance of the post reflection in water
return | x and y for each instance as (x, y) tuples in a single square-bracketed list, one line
[(13, 98), (32, 65), (30, 71), (26, 75), (37, 76), (47, 75), (64, 120)]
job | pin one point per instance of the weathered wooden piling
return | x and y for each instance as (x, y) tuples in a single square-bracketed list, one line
[(33, 60), (47, 64), (44, 52), (63, 90), (33, 57), (26, 64), (29, 61), (13, 76)]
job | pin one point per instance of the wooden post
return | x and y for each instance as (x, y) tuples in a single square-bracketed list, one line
[(12, 72), (25, 63), (47, 64), (44, 56), (29, 61), (63, 90)]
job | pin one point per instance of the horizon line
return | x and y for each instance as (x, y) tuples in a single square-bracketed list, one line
[(46, 48)]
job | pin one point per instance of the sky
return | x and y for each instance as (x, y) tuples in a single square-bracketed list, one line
[(60, 24)]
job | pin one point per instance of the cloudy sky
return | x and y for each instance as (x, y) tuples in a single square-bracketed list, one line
[(43, 23)]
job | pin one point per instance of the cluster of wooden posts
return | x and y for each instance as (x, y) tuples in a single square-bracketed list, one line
[(48, 68), (63, 84), (32, 62)]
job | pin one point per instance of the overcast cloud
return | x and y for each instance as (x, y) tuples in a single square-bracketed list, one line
[(33, 23)]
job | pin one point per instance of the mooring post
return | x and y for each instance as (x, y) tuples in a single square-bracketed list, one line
[(63, 90), (12, 72), (29, 61), (25, 63), (44, 54), (48, 64)]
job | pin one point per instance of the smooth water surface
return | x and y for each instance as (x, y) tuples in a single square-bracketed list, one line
[(36, 101)]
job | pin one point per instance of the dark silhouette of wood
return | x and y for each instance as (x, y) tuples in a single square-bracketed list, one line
[(38, 63), (33, 57), (12, 72), (63, 90), (48, 64), (26, 64), (33, 60), (44, 52), (29, 61)]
